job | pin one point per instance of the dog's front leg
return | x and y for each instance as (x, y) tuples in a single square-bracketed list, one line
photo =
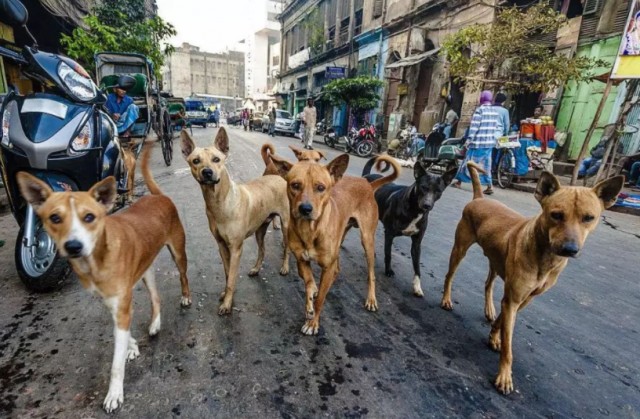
[(225, 255), (329, 274), (504, 380), (234, 264), (125, 347), (311, 290), (416, 241), (388, 242)]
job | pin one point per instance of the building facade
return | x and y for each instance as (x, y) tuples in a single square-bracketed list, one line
[(189, 71)]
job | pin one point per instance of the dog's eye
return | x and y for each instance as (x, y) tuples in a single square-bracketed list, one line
[(216, 160), (558, 216), (588, 218), (55, 219), (195, 161), (89, 218), (321, 188), (295, 186)]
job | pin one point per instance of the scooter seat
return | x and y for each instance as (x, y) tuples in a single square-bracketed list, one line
[(430, 159)]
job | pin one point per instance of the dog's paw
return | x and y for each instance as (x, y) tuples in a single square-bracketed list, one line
[(371, 304), (254, 271), (504, 382), (224, 309), (490, 313), (222, 294), (417, 288), (132, 350), (310, 313), (114, 400), (495, 343), (154, 328), (310, 327), (185, 301), (389, 272), (446, 304), (284, 270)]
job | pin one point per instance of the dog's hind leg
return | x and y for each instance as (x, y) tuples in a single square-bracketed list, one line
[(416, 241), (176, 246), (489, 308), (284, 269), (464, 239), (367, 234), (234, 264), (388, 243), (149, 279), (260, 233)]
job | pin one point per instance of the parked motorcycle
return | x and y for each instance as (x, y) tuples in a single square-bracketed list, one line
[(406, 146), (441, 155), (361, 142), (62, 135), (321, 127)]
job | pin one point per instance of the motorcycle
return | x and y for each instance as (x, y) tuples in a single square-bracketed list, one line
[(361, 142), (321, 127), (62, 135), (406, 145), (441, 155)]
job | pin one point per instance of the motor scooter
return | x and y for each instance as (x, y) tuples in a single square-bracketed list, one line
[(442, 154), (61, 134)]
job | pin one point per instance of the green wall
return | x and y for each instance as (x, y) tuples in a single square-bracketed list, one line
[(580, 100)]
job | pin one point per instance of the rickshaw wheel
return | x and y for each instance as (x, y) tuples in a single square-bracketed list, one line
[(166, 139)]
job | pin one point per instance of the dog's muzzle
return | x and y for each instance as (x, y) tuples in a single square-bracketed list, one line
[(73, 248), (569, 249), (208, 177), (305, 209)]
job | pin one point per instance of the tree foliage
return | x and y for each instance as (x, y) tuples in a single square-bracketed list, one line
[(509, 52), (359, 93), (314, 26), (120, 26)]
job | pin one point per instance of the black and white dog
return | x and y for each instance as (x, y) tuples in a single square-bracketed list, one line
[(404, 211)]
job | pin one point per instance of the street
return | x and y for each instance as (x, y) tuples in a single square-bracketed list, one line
[(575, 347)]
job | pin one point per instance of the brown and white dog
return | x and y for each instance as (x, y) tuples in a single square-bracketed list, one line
[(236, 211), (110, 253), (528, 253), (324, 206)]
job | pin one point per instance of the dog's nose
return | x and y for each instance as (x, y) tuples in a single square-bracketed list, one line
[(570, 249), (207, 173), (305, 208), (73, 247), (427, 207)]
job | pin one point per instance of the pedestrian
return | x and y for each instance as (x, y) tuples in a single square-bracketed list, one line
[(309, 118), (245, 118), (481, 141), (449, 121), (272, 121), (590, 165), (216, 117), (503, 112), (634, 177)]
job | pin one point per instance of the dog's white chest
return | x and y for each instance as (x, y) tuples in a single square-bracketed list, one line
[(412, 228)]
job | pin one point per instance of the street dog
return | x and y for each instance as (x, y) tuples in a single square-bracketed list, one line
[(236, 211), (269, 150), (325, 204), (528, 253), (110, 253), (404, 211)]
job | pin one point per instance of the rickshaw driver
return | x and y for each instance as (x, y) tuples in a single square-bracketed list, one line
[(122, 109)]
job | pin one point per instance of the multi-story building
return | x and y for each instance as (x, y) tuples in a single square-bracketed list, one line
[(189, 71)]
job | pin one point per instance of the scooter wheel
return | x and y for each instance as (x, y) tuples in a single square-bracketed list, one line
[(40, 267), (364, 149)]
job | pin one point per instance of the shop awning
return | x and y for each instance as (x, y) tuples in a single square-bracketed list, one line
[(413, 59)]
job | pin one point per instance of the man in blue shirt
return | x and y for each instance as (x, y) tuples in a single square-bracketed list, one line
[(122, 109)]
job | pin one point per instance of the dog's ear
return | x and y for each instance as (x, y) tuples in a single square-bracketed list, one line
[(33, 189), (418, 170), (338, 166), (186, 143), (222, 141), (448, 176), (608, 190), (321, 154), (282, 165), (105, 192), (296, 151), (547, 185)]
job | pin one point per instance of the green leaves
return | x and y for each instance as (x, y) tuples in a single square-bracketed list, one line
[(120, 27), (511, 52), (359, 93)]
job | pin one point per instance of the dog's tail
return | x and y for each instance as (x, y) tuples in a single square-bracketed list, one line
[(475, 179), (146, 172), (267, 151), (367, 167), (382, 165)]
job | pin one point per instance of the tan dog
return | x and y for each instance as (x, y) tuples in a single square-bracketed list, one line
[(130, 163), (110, 253), (528, 253), (324, 205), (236, 211)]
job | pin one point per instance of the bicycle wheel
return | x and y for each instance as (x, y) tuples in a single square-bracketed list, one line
[(505, 168)]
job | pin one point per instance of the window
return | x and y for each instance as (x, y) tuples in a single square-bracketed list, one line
[(331, 12), (591, 7), (344, 10), (358, 24), (275, 61), (377, 8)]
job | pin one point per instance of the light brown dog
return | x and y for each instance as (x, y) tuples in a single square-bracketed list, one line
[(528, 253), (110, 253), (324, 205), (236, 211), (130, 163)]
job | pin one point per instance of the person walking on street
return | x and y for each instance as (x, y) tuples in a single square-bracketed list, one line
[(449, 121), (272, 121), (503, 112), (485, 124), (309, 118)]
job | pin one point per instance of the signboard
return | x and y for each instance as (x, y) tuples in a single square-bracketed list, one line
[(627, 64), (332, 73), (403, 89)]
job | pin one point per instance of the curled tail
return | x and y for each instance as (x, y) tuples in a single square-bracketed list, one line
[(146, 172), (382, 165), (475, 179), (267, 151)]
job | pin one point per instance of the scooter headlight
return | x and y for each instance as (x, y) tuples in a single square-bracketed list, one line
[(6, 116), (82, 141), (80, 86)]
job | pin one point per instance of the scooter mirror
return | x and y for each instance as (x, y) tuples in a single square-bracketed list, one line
[(15, 11), (125, 82)]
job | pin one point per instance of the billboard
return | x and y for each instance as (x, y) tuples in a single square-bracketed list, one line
[(627, 64)]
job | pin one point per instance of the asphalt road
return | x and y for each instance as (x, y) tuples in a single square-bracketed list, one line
[(576, 347)]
